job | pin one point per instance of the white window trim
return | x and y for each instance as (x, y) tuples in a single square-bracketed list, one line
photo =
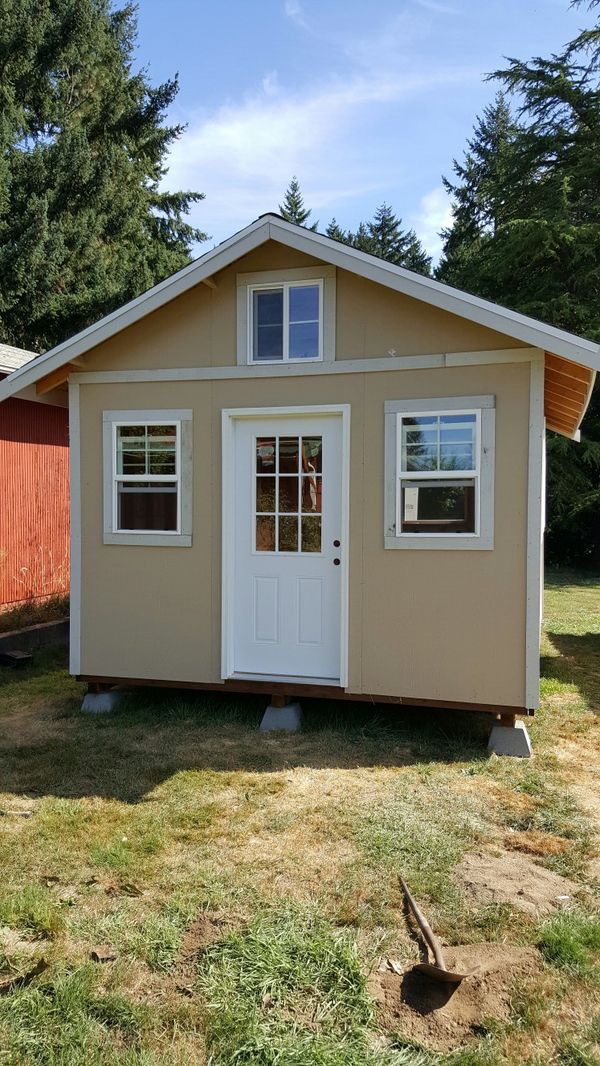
[(483, 474), (323, 275), (285, 286), (182, 536)]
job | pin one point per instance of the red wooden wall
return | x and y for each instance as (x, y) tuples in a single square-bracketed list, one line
[(34, 501)]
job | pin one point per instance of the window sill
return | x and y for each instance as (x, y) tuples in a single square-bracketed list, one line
[(439, 542), (150, 540), (285, 362)]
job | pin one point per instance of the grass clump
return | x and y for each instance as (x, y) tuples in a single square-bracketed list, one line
[(31, 909), (34, 612), (68, 1020), (570, 940), (288, 988)]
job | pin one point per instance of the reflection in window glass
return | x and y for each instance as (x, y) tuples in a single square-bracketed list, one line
[(265, 533), (289, 485), (288, 533), (267, 320), (438, 506), (439, 442), (311, 534), (146, 506), (266, 499), (286, 322)]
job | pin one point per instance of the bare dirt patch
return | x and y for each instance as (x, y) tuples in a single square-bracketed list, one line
[(442, 1017), (515, 879), (207, 929)]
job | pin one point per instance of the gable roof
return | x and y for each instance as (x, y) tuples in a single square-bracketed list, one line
[(567, 347), (13, 358)]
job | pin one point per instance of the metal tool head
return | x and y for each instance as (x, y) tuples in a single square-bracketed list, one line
[(449, 977)]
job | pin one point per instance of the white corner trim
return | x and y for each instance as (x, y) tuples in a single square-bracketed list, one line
[(535, 534), (75, 507), (229, 416), (322, 273), (483, 540)]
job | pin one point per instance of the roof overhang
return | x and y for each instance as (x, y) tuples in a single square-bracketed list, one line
[(571, 361)]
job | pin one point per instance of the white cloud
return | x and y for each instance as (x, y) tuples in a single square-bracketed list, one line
[(293, 10), (243, 155), (434, 214)]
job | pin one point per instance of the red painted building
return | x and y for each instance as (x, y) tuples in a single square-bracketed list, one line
[(34, 494)]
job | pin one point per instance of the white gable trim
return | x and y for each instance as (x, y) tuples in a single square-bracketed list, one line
[(271, 227)]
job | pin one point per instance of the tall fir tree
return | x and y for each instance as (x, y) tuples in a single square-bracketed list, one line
[(335, 231), (384, 237), (542, 254), (293, 209), (482, 198), (84, 223)]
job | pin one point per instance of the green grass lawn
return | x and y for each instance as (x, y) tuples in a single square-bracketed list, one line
[(245, 885)]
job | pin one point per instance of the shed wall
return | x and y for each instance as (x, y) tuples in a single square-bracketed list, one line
[(34, 501), (441, 625)]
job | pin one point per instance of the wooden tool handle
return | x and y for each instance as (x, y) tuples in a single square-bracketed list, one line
[(432, 941)]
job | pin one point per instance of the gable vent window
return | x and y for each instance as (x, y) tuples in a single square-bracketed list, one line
[(286, 322), (286, 316)]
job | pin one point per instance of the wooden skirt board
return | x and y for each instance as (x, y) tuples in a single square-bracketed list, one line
[(330, 692)]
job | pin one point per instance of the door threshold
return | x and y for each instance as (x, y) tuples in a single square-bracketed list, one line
[(333, 682)]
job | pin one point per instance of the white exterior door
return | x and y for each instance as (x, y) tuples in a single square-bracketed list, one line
[(287, 567)]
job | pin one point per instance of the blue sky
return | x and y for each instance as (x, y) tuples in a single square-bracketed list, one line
[(364, 102)]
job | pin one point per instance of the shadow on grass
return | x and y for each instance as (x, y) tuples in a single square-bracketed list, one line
[(577, 663), (154, 734)]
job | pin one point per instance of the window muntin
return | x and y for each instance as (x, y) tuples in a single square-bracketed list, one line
[(438, 482), (286, 322), (147, 477), (288, 494)]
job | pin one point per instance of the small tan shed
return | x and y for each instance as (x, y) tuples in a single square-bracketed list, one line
[(299, 469)]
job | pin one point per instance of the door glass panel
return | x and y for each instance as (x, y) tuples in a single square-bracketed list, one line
[(288, 494), (265, 533), (311, 493), (265, 455), (265, 494), (288, 455), (289, 484), (288, 533), (312, 455), (311, 534)]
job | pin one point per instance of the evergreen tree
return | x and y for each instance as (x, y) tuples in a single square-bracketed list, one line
[(293, 209), (535, 246), (385, 238), (482, 195), (335, 232), (84, 225)]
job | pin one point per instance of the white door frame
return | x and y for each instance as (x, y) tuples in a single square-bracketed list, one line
[(229, 416)]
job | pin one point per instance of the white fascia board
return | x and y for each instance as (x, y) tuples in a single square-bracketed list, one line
[(169, 289), (463, 304)]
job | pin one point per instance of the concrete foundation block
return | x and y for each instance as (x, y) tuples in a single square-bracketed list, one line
[(288, 717), (510, 740), (100, 702)]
